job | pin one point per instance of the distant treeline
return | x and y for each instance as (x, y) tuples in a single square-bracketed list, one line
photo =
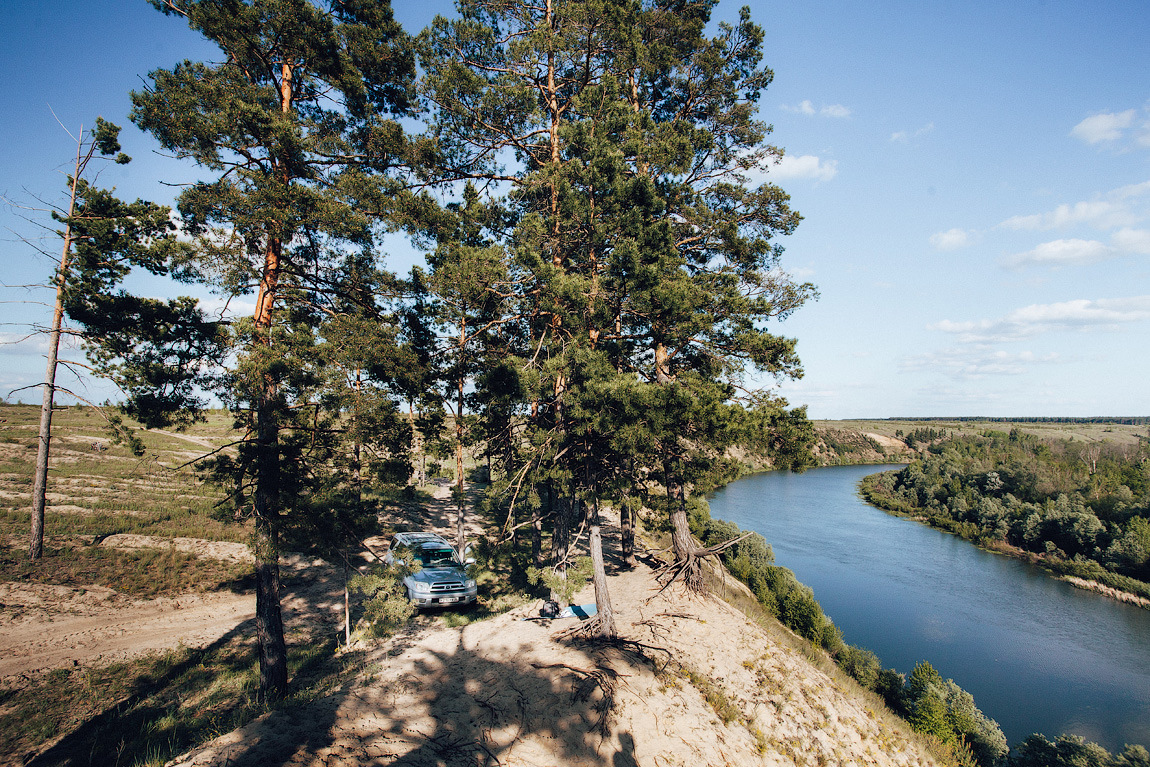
[(1124, 421), (1077, 508)]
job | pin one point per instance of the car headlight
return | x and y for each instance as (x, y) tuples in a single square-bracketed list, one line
[(421, 587), (469, 584)]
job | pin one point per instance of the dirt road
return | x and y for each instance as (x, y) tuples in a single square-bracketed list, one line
[(44, 627)]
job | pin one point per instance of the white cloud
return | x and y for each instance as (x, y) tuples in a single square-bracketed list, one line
[(1097, 212), (966, 362), (1105, 126), (952, 239), (1062, 253), (1132, 241), (1083, 312), (1124, 206), (804, 108), (1029, 321), (807, 107), (903, 137), (805, 166), (227, 309), (1073, 252)]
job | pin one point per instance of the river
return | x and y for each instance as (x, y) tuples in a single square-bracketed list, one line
[(1037, 654)]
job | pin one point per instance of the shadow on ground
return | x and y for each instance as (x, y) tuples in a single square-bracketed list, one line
[(451, 706)]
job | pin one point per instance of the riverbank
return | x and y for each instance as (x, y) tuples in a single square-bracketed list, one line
[(1088, 576), (999, 628)]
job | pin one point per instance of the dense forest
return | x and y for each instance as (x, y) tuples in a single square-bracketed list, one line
[(1078, 508)]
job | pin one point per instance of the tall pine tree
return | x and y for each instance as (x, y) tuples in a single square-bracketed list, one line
[(297, 128), (649, 271)]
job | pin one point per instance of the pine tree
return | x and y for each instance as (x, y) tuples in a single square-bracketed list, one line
[(297, 127), (104, 239), (649, 269)]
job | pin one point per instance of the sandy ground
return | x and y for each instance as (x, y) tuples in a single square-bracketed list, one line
[(505, 691), (508, 691), (44, 627)]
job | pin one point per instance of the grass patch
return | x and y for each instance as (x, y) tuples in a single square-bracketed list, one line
[(147, 711), (185, 523), (139, 573), (723, 707)]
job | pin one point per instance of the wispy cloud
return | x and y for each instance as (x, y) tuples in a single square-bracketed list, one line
[(1105, 126), (1125, 206), (805, 166), (1074, 252), (903, 137), (952, 239), (1062, 253), (966, 362), (807, 107), (1029, 321)]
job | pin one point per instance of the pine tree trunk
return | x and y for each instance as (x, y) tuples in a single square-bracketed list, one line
[(605, 615), (683, 544), (560, 544), (269, 619), (460, 509), (627, 531), (40, 480), (346, 601), (536, 538), (270, 631)]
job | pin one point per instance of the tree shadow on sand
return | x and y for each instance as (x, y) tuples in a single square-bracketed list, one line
[(453, 706)]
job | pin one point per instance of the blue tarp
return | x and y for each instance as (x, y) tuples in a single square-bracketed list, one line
[(579, 611)]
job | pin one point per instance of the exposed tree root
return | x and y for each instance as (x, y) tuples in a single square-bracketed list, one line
[(689, 568)]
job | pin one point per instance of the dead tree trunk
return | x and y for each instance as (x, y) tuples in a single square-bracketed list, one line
[(604, 626), (688, 564)]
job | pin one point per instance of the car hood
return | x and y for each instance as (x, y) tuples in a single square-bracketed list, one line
[(435, 574)]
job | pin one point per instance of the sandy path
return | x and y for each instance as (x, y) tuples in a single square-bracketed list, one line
[(44, 627), (55, 626)]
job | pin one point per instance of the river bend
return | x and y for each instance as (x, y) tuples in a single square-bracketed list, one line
[(1037, 654)]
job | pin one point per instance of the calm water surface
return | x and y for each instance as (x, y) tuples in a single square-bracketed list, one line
[(1037, 654)]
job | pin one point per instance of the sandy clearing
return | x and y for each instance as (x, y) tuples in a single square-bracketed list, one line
[(506, 691)]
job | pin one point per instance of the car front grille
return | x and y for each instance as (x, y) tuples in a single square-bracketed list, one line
[(441, 586)]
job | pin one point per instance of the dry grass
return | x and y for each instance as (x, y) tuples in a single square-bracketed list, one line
[(1083, 432), (144, 573)]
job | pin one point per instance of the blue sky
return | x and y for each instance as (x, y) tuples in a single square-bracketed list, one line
[(974, 177)]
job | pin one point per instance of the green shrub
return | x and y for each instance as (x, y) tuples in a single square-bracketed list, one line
[(862, 665), (565, 585), (387, 606)]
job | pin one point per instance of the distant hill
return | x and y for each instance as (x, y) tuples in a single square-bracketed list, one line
[(897, 440)]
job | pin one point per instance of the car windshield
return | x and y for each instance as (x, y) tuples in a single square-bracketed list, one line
[(436, 557)]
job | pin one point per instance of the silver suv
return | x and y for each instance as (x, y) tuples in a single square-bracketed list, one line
[(441, 580)]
